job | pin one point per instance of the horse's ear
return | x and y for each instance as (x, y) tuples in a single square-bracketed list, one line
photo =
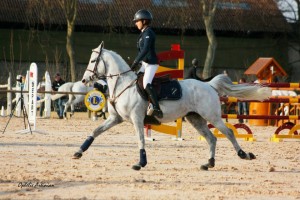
[(101, 45)]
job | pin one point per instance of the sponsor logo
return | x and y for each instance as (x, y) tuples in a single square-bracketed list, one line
[(94, 100)]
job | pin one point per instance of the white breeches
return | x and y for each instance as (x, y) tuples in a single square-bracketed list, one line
[(149, 72)]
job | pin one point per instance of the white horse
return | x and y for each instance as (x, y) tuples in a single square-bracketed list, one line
[(199, 104), (74, 99)]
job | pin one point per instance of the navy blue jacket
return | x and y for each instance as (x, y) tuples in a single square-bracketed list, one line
[(146, 47), (57, 84), (192, 73)]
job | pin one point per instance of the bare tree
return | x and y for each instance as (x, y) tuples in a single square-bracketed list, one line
[(209, 8), (291, 11), (70, 10)]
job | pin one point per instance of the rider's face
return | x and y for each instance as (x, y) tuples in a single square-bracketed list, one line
[(139, 24), (57, 78)]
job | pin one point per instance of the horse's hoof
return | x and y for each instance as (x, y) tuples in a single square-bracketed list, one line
[(77, 155), (204, 167), (210, 164), (246, 156), (136, 167), (252, 156)]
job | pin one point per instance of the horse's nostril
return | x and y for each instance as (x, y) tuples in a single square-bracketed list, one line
[(83, 81)]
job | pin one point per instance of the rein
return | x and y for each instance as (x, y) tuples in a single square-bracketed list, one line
[(112, 99), (97, 60)]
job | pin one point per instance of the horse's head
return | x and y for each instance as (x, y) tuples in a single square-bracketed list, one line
[(105, 64), (96, 66)]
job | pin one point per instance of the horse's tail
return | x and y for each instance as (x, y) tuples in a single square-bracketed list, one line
[(224, 86), (57, 96), (67, 87)]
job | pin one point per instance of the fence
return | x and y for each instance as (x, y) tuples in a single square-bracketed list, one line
[(290, 119)]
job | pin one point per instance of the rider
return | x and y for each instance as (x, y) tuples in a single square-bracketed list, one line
[(147, 57), (59, 103), (194, 71)]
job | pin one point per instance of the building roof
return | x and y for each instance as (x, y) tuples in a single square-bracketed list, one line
[(231, 15), (263, 68)]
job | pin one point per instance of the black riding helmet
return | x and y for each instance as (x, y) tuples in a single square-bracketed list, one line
[(142, 15)]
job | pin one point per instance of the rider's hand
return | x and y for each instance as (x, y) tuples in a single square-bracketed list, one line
[(135, 66)]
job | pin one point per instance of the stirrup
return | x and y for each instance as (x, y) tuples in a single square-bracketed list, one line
[(158, 113), (151, 111)]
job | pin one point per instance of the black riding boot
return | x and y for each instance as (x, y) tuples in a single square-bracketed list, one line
[(153, 99)]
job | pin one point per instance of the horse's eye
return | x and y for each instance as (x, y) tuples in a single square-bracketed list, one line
[(92, 61)]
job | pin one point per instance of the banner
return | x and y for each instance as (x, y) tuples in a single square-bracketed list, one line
[(32, 83)]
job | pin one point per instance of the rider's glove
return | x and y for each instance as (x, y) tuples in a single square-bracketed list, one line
[(135, 66)]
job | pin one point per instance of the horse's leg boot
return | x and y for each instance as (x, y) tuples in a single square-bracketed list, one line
[(143, 160), (153, 98)]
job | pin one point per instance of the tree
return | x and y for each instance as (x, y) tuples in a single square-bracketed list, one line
[(209, 8), (291, 11), (70, 10)]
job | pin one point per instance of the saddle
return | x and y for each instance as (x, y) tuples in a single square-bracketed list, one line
[(165, 87)]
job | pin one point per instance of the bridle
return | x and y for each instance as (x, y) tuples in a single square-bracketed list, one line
[(97, 60), (95, 69)]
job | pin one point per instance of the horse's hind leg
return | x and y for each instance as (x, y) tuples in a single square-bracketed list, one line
[(67, 104), (72, 110), (75, 100), (200, 125), (230, 136)]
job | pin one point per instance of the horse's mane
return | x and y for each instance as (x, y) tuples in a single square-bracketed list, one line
[(116, 57)]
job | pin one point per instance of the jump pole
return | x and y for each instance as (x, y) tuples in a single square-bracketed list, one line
[(293, 128), (47, 109), (8, 86), (9, 96)]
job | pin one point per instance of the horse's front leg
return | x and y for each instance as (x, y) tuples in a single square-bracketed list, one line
[(107, 124), (139, 129)]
